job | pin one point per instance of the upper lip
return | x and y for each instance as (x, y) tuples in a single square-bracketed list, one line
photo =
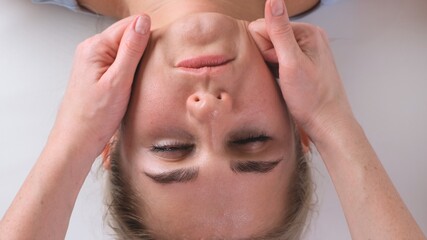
[(204, 61)]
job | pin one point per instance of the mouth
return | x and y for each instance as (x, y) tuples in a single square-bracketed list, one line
[(210, 61)]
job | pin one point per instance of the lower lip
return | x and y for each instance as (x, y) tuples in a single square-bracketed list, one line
[(210, 61)]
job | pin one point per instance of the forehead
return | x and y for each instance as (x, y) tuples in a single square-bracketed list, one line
[(228, 208)]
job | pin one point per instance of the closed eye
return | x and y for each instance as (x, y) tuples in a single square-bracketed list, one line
[(172, 151), (251, 139), (172, 147), (250, 144)]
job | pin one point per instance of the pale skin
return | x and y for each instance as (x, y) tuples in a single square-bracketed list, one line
[(213, 111), (371, 204)]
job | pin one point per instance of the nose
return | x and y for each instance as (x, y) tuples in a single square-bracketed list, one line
[(206, 106)]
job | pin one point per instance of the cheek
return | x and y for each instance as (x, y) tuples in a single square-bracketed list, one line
[(154, 100), (265, 101), (152, 91)]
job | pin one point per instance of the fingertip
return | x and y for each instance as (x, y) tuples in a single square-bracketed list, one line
[(258, 21), (252, 27), (142, 24), (255, 25), (276, 9)]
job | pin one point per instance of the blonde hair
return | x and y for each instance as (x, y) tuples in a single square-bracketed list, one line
[(124, 208)]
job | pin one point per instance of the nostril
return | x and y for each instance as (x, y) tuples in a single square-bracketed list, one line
[(196, 99), (219, 96)]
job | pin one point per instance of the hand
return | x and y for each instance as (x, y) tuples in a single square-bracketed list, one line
[(99, 89), (309, 81)]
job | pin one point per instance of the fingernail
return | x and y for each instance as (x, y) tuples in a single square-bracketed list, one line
[(142, 25), (277, 7)]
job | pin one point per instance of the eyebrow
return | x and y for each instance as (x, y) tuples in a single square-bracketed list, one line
[(184, 175), (254, 166), (176, 176)]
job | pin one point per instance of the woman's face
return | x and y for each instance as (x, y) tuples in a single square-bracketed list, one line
[(207, 141)]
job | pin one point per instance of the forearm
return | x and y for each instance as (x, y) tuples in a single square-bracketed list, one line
[(43, 206), (91, 112), (371, 204), (315, 96)]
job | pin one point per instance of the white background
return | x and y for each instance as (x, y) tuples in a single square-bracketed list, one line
[(380, 48)]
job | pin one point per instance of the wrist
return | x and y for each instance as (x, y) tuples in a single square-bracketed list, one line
[(73, 145), (334, 127)]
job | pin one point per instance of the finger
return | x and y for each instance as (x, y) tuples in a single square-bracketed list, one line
[(131, 49), (101, 49), (113, 34), (259, 33), (280, 31), (311, 39)]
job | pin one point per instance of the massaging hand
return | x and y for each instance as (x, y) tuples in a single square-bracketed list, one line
[(100, 85), (309, 80)]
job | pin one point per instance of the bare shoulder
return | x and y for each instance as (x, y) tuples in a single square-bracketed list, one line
[(113, 8), (119, 9)]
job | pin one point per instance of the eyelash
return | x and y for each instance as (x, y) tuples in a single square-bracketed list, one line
[(172, 147), (252, 139)]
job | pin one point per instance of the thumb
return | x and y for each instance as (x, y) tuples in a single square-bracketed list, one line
[(280, 31), (132, 46), (262, 40)]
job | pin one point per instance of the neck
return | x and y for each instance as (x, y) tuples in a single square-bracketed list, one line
[(164, 12)]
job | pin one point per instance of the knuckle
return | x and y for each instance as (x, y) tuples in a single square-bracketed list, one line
[(282, 29), (86, 48), (258, 25), (315, 31), (133, 47), (309, 30), (309, 36), (96, 48), (290, 65), (323, 33)]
